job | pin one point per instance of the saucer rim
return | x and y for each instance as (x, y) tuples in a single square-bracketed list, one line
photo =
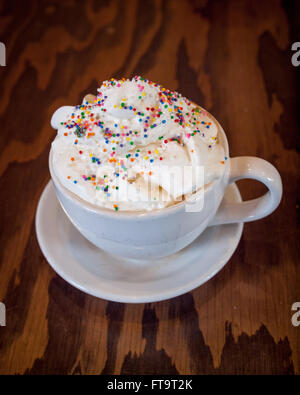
[(163, 295)]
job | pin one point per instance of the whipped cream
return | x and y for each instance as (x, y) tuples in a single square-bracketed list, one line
[(128, 147)]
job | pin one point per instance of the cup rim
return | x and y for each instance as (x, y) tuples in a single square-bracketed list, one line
[(128, 214)]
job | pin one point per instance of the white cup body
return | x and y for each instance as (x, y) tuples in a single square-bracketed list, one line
[(147, 235), (141, 236)]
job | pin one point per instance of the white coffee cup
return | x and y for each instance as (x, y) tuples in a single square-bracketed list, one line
[(153, 234)]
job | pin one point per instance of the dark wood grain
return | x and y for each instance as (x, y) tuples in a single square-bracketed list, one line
[(232, 57)]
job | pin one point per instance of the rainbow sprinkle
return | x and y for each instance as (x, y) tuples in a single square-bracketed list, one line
[(87, 122)]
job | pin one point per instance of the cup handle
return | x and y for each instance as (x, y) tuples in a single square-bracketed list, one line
[(251, 210)]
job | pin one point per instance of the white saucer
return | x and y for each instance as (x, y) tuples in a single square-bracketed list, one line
[(109, 277)]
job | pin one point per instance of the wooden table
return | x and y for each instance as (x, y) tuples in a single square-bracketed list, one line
[(232, 57)]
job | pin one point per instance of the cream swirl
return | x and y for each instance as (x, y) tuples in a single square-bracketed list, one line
[(119, 148)]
